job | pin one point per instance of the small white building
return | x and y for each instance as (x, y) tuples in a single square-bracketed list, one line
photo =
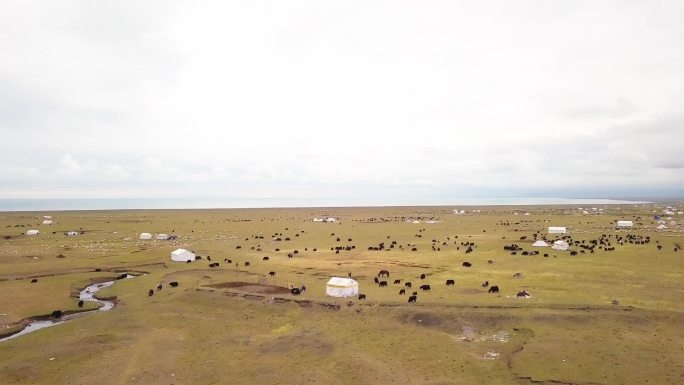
[(47, 222), (32, 232), (557, 230), (625, 224), (145, 236), (341, 287), (162, 237), (182, 255), (560, 245), (540, 243)]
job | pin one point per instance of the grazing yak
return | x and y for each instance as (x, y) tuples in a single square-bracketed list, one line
[(412, 299), (56, 314), (407, 284), (271, 273), (523, 294), (173, 284), (518, 275), (383, 283), (34, 280), (383, 273), (485, 283), (402, 291), (494, 289), (377, 280), (362, 296), (150, 293), (295, 291), (397, 281), (159, 287), (425, 287), (246, 263), (80, 303), (450, 282), (122, 276), (265, 258), (422, 276), (467, 264)]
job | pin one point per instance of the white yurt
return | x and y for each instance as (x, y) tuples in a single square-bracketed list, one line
[(668, 212), (32, 232), (72, 233), (415, 222), (182, 255), (560, 245), (341, 287), (47, 222), (162, 237), (318, 219), (47, 216), (661, 227), (330, 219), (145, 236), (557, 230), (625, 224), (540, 243)]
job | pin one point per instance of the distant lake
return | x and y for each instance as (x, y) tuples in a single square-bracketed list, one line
[(206, 203)]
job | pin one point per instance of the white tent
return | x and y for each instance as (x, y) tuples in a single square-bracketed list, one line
[(145, 236), (330, 219), (182, 255), (415, 222), (661, 227), (557, 230), (341, 287), (585, 212), (669, 212), (318, 219), (32, 232), (680, 212), (47, 222), (540, 243), (560, 245), (47, 216), (526, 214), (162, 237), (625, 224), (72, 233)]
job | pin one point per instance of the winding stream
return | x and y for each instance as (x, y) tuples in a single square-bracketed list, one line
[(87, 295)]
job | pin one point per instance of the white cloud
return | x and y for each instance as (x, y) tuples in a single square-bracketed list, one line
[(269, 98)]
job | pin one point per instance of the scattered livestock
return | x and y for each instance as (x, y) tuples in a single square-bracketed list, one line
[(407, 284), (402, 291), (450, 282), (56, 314), (383, 273), (523, 294), (383, 283), (412, 299), (80, 303), (362, 296), (422, 276), (159, 287), (425, 287), (467, 264), (494, 289), (295, 291), (34, 280), (150, 293), (485, 283), (173, 284), (397, 281), (271, 273), (518, 275)]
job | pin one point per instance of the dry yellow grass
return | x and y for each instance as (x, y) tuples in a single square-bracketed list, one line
[(195, 334)]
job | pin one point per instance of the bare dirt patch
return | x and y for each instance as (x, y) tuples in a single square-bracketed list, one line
[(251, 287)]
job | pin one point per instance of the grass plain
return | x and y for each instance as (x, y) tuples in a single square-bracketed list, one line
[(569, 332)]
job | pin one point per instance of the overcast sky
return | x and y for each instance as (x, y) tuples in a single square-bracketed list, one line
[(298, 99)]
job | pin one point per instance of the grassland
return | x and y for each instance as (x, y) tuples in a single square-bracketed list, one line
[(569, 332)]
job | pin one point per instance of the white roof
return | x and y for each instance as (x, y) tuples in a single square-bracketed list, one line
[(557, 229), (540, 243), (415, 221), (318, 219), (47, 222), (343, 282), (330, 219), (625, 224), (72, 233), (32, 232), (560, 245), (47, 216), (145, 236), (661, 227), (162, 237)]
